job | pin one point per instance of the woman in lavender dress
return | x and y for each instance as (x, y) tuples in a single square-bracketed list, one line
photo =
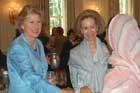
[(88, 61)]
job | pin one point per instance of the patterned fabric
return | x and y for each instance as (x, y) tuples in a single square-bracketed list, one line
[(124, 38), (28, 68), (86, 70)]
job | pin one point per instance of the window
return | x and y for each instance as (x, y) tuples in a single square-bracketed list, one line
[(122, 6), (126, 6), (57, 14)]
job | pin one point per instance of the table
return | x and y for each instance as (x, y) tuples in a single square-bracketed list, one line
[(4, 91)]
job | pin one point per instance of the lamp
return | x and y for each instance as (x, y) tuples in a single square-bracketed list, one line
[(93, 4), (13, 11), (96, 8)]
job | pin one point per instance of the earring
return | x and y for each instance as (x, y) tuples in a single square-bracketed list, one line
[(22, 27)]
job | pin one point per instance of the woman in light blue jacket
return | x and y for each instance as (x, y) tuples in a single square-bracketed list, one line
[(27, 65), (88, 61)]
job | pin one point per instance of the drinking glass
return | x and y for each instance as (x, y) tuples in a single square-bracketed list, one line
[(54, 61), (52, 77)]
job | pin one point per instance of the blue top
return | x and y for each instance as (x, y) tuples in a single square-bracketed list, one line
[(27, 68), (86, 69)]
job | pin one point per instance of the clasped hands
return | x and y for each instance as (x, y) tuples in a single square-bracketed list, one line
[(85, 89)]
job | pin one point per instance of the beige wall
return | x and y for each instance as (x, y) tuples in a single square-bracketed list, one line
[(136, 10), (78, 7), (87, 4), (105, 8), (7, 30)]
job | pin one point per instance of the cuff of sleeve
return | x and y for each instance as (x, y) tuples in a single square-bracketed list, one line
[(46, 87)]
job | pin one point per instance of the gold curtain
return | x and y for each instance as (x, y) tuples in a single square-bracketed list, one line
[(136, 10), (70, 13), (114, 7), (43, 5)]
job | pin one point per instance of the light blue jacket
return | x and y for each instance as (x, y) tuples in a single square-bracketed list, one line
[(88, 70), (27, 68)]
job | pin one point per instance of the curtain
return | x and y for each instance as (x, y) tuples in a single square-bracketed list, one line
[(70, 13), (114, 7), (43, 5), (136, 10)]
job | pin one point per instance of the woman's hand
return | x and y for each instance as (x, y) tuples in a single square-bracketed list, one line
[(85, 89)]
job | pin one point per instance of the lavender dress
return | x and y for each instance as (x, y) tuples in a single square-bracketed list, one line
[(88, 70)]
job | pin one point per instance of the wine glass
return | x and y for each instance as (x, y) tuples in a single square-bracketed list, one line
[(52, 77), (61, 77)]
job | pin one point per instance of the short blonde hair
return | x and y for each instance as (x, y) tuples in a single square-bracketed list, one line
[(24, 13), (89, 14)]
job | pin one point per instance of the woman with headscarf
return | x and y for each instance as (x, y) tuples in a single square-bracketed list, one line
[(124, 39)]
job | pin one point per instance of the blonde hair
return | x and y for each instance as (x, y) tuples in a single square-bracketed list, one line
[(24, 13), (89, 14)]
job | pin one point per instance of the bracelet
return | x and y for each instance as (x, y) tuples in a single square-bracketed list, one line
[(76, 91)]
